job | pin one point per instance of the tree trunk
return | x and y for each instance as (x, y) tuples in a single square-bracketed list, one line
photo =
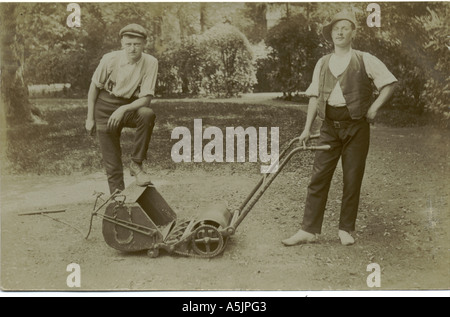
[(14, 91), (259, 17), (262, 19), (288, 12), (202, 17)]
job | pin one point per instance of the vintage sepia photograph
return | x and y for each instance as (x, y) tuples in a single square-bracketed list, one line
[(224, 146)]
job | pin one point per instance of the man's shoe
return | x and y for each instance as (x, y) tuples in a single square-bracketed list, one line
[(299, 238), (142, 178), (346, 238)]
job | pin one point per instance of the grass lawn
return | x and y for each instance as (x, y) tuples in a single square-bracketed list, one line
[(402, 224), (63, 146)]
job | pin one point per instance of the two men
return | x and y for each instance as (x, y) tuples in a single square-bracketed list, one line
[(341, 95), (119, 96)]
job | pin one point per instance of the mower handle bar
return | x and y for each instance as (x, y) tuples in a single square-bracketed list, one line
[(267, 179), (296, 139), (304, 147)]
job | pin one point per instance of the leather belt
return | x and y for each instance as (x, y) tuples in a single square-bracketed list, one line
[(342, 124), (110, 98)]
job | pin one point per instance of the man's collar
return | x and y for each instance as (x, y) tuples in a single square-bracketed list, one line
[(124, 60), (350, 51)]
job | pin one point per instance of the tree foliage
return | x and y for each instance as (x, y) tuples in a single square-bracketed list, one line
[(209, 48), (218, 62), (229, 66), (295, 47), (413, 43)]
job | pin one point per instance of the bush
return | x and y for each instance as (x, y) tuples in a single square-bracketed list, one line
[(190, 61), (413, 44), (230, 67), (219, 62), (168, 81), (296, 47), (435, 99), (418, 97)]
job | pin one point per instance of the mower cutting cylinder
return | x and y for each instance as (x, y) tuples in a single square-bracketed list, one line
[(217, 215)]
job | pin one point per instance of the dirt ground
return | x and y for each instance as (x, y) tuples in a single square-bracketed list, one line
[(402, 226)]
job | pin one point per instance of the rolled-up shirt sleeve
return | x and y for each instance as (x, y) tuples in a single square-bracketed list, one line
[(101, 73), (313, 89), (378, 72), (148, 83)]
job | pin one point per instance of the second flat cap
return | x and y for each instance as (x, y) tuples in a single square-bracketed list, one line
[(133, 30), (343, 15)]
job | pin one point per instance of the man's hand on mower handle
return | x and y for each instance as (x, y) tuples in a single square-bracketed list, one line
[(304, 137)]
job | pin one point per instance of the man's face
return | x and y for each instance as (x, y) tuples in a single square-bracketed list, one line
[(133, 46), (342, 33)]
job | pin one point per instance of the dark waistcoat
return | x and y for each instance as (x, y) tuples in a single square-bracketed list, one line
[(355, 84)]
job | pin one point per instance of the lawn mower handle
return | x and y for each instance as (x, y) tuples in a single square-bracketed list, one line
[(304, 147), (267, 179)]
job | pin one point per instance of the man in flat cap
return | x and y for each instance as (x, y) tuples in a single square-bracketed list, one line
[(119, 96), (341, 95)]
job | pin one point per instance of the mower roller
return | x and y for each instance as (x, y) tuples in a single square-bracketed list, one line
[(139, 219)]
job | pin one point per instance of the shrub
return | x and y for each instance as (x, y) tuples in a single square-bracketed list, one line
[(296, 47), (168, 81), (219, 62), (230, 67), (435, 99), (190, 60)]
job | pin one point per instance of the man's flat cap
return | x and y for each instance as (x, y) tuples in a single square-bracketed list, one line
[(343, 15), (133, 30)]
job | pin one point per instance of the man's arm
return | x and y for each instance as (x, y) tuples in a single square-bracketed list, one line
[(385, 94), (117, 116), (312, 92), (92, 98), (383, 79), (310, 117)]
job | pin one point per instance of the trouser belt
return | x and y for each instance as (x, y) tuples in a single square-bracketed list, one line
[(342, 124), (110, 98)]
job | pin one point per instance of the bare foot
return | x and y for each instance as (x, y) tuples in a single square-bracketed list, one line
[(346, 238), (300, 237)]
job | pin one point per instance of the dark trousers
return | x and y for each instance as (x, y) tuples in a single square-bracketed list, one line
[(350, 143), (143, 120)]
